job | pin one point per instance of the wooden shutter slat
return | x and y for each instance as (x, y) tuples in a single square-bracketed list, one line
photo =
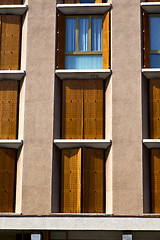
[(106, 41), (93, 180), (146, 40), (154, 108), (61, 41), (72, 109), (10, 2), (7, 179), (8, 109), (93, 109), (155, 180), (10, 42), (71, 181)]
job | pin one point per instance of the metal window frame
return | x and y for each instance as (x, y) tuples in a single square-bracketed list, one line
[(89, 52)]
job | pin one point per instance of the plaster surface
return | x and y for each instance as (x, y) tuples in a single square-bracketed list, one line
[(38, 108), (126, 108)]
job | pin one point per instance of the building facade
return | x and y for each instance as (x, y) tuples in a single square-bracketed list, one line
[(79, 119)]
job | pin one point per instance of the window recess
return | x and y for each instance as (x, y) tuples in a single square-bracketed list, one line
[(151, 38), (87, 42), (82, 181)]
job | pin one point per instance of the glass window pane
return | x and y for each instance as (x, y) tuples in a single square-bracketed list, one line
[(87, 1), (155, 33), (96, 33), (83, 62), (71, 34), (83, 34), (154, 61)]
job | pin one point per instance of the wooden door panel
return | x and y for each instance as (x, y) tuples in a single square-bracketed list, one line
[(7, 179), (154, 108), (155, 180), (94, 109), (93, 180), (71, 181), (8, 109), (10, 42), (72, 109)]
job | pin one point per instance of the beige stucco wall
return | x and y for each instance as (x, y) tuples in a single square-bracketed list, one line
[(38, 108), (126, 108), (40, 113)]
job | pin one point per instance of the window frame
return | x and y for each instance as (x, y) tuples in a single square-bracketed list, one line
[(89, 52)]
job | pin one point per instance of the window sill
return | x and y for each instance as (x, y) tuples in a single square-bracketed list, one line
[(13, 9), (151, 73), (12, 144), (151, 143), (101, 74), (91, 8), (12, 74), (78, 143), (151, 7)]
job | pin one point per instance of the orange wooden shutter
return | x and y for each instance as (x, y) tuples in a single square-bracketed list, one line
[(154, 104), (93, 180), (10, 42), (146, 40), (93, 109), (106, 41), (8, 109), (71, 181), (155, 180), (7, 179), (61, 41), (72, 110), (10, 2)]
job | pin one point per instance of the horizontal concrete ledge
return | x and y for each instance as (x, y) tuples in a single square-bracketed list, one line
[(151, 143), (151, 7), (90, 8), (13, 9), (78, 143), (12, 74), (101, 74), (80, 223), (14, 144), (151, 73)]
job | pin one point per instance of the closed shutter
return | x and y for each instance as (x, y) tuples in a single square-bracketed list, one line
[(93, 109), (71, 181), (10, 42), (146, 41), (98, 1), (93, 180), (8, 109), (106, 41), (10, 2), (7, 179), (61, 41), (72, 109), (155, 180), (154, 103)]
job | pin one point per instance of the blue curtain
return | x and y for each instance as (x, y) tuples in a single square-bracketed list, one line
[(155, 33), (96, 34), (83, 62), (83, 34), (87, 1), (71, 34)]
